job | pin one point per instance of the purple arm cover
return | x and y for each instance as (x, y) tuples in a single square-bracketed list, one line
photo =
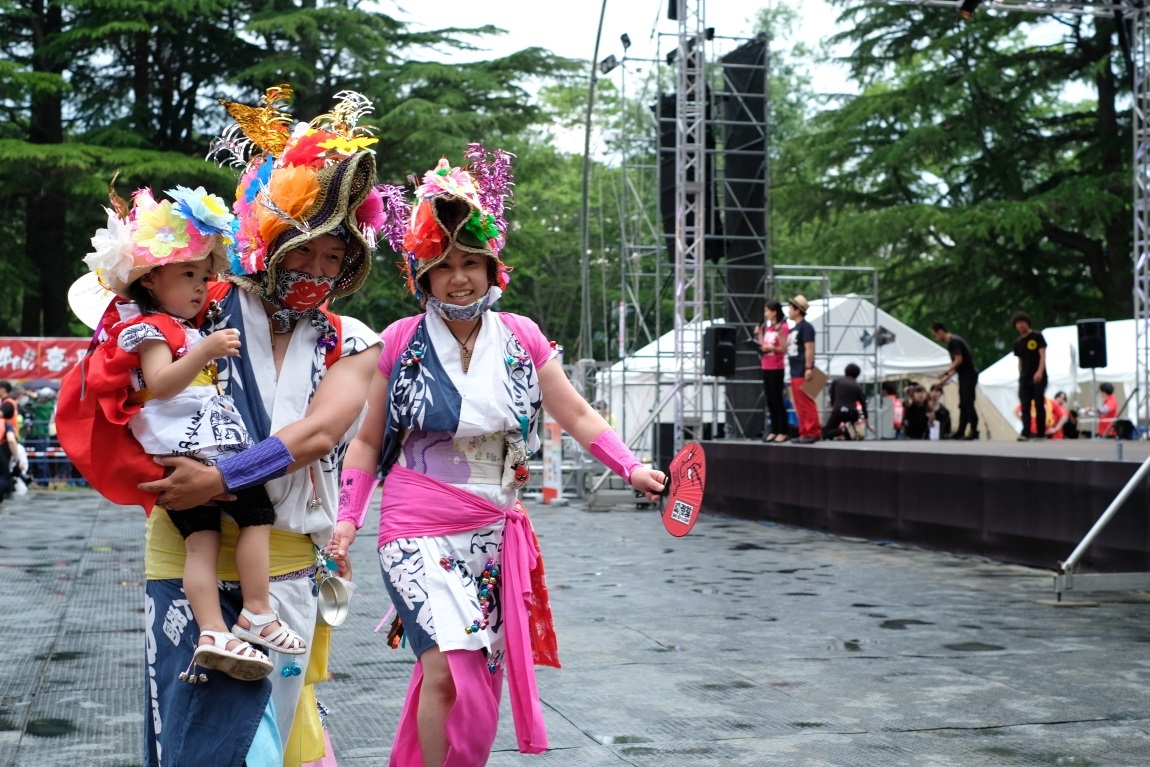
[(266, 460), (613, 454), (355, 491)]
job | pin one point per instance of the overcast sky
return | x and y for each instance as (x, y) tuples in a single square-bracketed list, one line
[(568, 28)]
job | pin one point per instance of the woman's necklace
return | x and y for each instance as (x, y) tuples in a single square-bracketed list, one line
[(464, 351)]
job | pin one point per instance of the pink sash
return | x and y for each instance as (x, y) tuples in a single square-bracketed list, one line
[(415, 506)]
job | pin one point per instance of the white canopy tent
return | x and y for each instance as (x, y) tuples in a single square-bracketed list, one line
[(632, 387), (846, 327), (999, 382)]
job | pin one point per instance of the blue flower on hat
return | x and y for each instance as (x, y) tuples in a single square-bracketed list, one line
[(208, 213)]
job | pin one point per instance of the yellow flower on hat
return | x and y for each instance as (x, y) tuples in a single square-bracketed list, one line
[(161, 230), (348, 146)]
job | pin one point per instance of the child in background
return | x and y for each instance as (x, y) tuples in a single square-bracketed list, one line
[(161, 256), (890, 393), (917, 413), (940, 412), (1107, 411)]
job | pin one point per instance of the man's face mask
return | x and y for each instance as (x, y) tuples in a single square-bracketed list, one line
[(299, 291)]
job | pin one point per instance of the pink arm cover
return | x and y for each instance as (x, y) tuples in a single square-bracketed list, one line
[(355, 490), (613, 454)]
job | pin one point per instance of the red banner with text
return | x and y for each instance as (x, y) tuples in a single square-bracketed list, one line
[(34, 358)]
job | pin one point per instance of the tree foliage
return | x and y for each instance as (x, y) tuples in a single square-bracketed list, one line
[(91, 87), (965, 171)]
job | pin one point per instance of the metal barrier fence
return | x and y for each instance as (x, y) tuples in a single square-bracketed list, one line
[(48, 464)]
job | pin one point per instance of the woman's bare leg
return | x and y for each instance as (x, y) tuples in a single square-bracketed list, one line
[(436, 697)]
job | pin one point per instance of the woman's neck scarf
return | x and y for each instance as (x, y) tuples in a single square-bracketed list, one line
[(453, 313)]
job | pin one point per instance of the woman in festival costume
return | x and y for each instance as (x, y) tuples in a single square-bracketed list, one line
[(451, 415), (307, 213), (159, 371)]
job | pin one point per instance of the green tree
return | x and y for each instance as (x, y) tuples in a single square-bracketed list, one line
[(95, 86), (967, 174)]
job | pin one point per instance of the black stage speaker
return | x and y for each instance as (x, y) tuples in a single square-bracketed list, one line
[(744, 155), (1091, 343), (719, 350)]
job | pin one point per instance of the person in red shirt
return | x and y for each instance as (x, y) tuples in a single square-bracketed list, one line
[(772, 339), (1056, 416), (1108, 411)]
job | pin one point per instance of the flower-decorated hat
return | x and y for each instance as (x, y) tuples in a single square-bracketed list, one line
[(299, 183), (197, 225), (454, 207)]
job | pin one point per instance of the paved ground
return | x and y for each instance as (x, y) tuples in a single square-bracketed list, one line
[(743, 644)]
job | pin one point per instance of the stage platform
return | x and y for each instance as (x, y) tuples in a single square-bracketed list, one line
[(1024, 502)]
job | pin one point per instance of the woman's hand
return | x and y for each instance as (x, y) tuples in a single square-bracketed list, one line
[(649, 482), (341, 540), (189, 484)]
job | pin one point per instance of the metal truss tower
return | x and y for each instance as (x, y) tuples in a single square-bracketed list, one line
[(690, 199)]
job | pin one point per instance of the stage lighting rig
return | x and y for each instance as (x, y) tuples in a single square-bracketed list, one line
[(880, 338), (966, 10), (607, 64), (626, 40)]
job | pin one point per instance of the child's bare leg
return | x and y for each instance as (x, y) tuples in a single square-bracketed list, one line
[(253, 561), (200, 581)]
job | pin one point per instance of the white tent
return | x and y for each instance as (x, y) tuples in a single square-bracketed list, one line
[(845, 328), (632, 387), (999, 382)]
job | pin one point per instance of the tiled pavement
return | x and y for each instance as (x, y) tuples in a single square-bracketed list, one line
[(742, 644)]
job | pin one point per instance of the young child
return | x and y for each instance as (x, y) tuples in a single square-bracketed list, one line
[(174, 251), (917, 416)]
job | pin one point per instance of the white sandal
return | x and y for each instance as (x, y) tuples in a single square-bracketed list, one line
[(282, 640), (245, 662)]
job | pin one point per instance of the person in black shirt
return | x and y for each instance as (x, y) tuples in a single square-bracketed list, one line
[(846, 399), (962, 365), (1030, 348), (916, 420)]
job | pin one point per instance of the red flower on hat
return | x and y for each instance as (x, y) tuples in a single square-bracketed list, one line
[(425, 238), (306, 149)]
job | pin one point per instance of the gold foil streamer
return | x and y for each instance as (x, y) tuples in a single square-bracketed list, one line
[(268, 125)]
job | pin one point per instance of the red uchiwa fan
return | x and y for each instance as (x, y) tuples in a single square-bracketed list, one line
[(686, 478)]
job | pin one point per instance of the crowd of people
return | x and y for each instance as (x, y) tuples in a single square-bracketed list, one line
[(29, 413), (916, 410)]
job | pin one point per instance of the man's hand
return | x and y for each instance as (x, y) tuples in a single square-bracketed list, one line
[(189, 484)]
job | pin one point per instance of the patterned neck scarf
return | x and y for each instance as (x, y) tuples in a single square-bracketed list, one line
[(453, 313)]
